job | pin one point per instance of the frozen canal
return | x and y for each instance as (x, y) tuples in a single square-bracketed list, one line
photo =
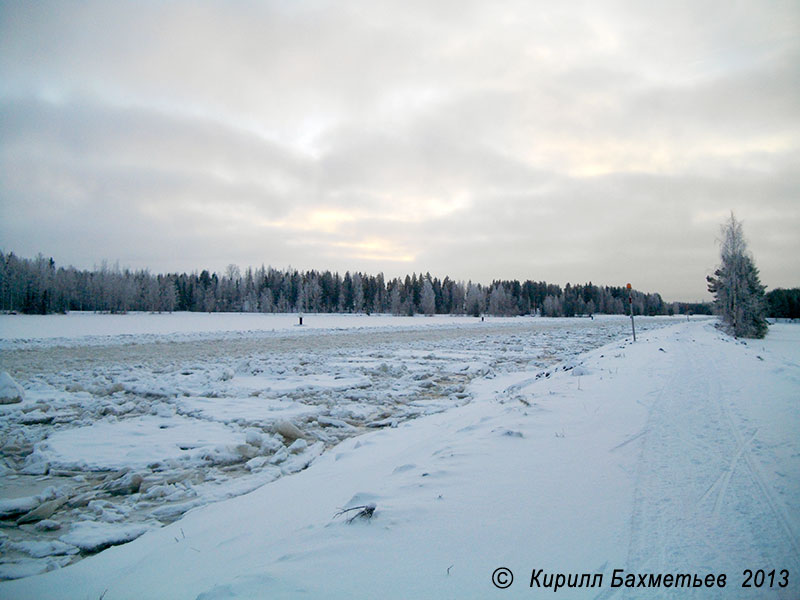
[(128, 428)]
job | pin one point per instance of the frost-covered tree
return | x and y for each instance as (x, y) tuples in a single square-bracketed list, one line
[(395, 303), (38, 286), (500, 304), (457, 297), (739, 297), (313, 294), (551, 307), (379, 299), (475, 301), (427, 302), (358, 293), (265, 301), (166, 294)]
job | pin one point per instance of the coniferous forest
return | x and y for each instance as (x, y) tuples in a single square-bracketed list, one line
[(783, 303), (39, 286)]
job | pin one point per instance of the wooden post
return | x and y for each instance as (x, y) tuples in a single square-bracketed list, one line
[(630, 303)]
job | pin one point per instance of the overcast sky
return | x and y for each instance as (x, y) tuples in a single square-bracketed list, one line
[(558, 141)]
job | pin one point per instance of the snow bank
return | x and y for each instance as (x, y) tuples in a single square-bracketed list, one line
[(675, 454)]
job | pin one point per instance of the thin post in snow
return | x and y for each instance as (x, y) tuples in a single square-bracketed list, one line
[(630, 304)]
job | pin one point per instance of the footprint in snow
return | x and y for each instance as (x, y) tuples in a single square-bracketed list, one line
[(512, 434)]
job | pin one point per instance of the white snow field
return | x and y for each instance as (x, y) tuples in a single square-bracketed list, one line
[(86, 328), (481, 446)]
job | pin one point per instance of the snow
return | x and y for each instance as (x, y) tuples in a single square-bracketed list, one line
[(18, 506), (136, 443), (28, 567), (10, 391), (675, 454), (93, 328), (42, 549), (248, 409), (91, 536)]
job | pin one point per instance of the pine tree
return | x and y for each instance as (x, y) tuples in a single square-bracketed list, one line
[(739, 297)]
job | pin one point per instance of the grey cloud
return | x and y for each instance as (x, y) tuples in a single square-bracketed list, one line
[(472, 139)]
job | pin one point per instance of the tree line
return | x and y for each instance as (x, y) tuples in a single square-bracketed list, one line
[(38, 286), (783, 303)]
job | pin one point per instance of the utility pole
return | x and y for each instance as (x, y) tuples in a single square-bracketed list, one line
[(630, 304)]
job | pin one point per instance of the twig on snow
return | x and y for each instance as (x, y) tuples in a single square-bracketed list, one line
[(366, 511)]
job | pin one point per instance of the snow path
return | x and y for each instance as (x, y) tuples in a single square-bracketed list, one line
[(677, 454), (697, 473)]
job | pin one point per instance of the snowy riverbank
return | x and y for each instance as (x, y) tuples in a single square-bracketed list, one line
[(122, 433), (677, 454)]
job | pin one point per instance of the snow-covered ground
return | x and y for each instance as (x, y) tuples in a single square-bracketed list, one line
[(86, 328), (481, 446)]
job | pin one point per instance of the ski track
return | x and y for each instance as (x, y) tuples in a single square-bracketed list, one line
[(697, 472)]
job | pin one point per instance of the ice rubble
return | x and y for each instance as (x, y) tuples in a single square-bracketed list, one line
[(10, 391)]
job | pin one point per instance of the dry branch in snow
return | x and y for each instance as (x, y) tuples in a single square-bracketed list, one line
[(366, 511)]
